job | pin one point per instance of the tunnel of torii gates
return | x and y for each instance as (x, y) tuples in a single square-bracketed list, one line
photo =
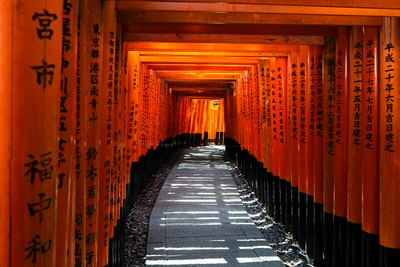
[(85, 121)]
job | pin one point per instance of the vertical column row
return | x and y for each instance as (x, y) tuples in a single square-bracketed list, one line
[(72, 127), (330, 160)]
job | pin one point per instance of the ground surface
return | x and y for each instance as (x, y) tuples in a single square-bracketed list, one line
[(138, 220)]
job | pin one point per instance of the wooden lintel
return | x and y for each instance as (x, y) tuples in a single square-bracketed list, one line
[(176, 76), (177, 59), (205, 53), (201, 95), (256, 29), (211, 47), (379, 8), (225, 38), (196, 67), (244, 18)]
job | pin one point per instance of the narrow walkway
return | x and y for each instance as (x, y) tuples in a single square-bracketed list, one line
[(199, 218)]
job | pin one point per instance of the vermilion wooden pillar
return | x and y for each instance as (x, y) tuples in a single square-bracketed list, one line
[(257, 118), (310, 135), (181, 117), (192, 113), (199, 119), (221, 119), (245, 111), (112, 95), (389, 81), (242, 112), (154, 104), (293, 143), (134, 111), (282, 122), (80, 168), (328, 143), (341, 134), (6, 18), (303, 88), (204, 122), (67, 125), (267, 134), (265, 125), (309, 122), (265, 112), (370, 171), (126, 148), (106, 148), (318, 153), (258, 170), (118, 183), (144, 88), (356, 132), (91, 68), (35, 85), (275, 147), (228, 107)]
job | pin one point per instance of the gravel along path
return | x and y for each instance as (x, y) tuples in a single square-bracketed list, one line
[(137, 224)]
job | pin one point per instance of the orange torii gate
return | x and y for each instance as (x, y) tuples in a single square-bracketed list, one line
[(82, 140)]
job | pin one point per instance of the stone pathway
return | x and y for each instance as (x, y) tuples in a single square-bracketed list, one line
[(199, 218)]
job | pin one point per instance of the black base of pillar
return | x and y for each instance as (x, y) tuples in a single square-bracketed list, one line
[(295, 213), (339, 251), (369, 250), (389, 257), (193, 140), (197, 139), (327, 227), (206, 142), (354, 245), (302, 219), (277, 199), (318, 238), (310, 225), (288, 212), (270, 197), (284, 202)]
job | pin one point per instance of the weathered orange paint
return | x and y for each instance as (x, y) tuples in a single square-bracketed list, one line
[(265, 112), (275, 149), (341, 133), (256, 111), (329, 120), (319, 130), (91, 78), (389, 81), (370, 170), (293, 117), (35, 80), (6, 19), (302, 126), (356, 132), (80, 166), (310, 110), (134, 110), (282, 87), (106, 148), (66, 188)]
